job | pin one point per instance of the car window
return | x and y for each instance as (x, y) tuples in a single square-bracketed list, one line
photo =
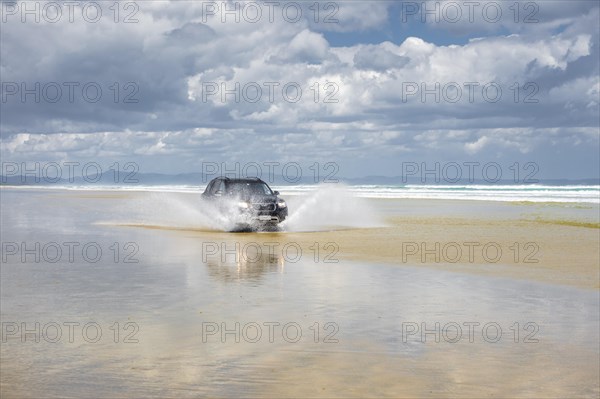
[(266, 189), (217, 186), (248, 188)]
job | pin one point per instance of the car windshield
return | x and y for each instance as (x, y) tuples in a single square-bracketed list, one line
[(248, 188)]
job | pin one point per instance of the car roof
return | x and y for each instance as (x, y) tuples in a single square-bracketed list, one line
[(240, 180)]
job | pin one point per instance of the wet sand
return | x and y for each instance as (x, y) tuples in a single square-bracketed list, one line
[(544, 251), (356, 293), (548, 242)]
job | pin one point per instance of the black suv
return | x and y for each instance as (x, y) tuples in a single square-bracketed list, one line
[(250, 200)]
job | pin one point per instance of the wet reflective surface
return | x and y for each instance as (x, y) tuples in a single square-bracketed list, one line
[(199, 313)]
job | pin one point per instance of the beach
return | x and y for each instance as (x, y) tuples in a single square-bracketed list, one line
[(134, 293), (240, 199)]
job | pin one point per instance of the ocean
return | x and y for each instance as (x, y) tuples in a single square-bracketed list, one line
[(476, 192)]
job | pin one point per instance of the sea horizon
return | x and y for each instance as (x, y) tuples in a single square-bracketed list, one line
[(538, 192)]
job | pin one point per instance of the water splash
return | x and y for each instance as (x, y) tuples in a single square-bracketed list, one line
[(330, 207), (174, 211), (326, 208)]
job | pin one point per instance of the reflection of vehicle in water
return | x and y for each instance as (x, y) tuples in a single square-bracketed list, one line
[(250, 201), (234, 261)]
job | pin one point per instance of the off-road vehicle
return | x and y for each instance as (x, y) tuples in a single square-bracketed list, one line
[(249, 201)]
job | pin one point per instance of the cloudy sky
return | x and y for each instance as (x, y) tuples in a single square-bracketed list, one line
[(367, 85)]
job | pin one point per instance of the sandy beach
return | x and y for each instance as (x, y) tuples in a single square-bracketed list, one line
[(383, 298), (555, 243), (320, 199)]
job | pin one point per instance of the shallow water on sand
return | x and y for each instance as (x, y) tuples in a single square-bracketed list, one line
[(310, 324)]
